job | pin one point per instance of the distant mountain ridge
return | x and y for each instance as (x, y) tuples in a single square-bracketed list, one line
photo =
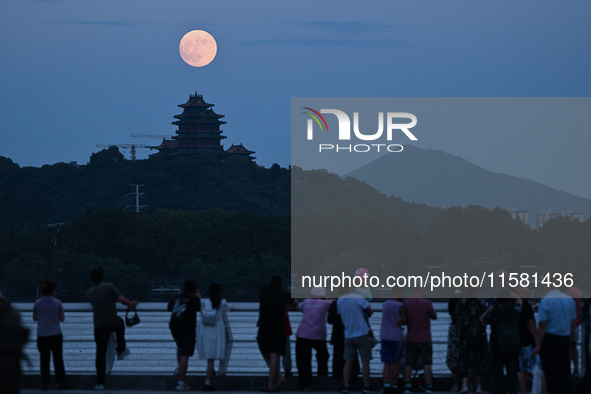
[(440, 179)]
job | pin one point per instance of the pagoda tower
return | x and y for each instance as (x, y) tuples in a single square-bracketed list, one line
[(198, 132)]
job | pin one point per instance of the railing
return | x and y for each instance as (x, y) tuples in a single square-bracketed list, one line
[(153, 350)]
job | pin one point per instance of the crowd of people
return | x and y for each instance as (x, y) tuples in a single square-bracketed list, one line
[(515, 345), (199, 323)]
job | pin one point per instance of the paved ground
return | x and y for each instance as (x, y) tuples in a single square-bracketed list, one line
[(164, 392), (158, 384)]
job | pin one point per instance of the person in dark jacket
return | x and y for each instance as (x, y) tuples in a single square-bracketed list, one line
[(505, 343), (183, 321), (271, 333), (13, 337)]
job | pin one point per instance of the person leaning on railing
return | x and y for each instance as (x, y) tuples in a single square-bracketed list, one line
[(103, 297)]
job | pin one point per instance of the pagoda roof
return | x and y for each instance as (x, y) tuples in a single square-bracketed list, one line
[(207, 118), (167, 144), (198, 136), (239, 149), (202, 114), (196, 100)]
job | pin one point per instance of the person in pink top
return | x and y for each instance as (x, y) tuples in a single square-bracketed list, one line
[(419, 348), (311, 334)]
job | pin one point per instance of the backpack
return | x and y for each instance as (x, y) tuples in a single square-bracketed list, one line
[(507, 328), (208, 314)]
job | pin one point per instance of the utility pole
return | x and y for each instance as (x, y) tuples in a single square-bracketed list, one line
[(137, 199)]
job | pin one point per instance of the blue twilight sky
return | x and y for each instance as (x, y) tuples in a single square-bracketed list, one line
[(75, 73)]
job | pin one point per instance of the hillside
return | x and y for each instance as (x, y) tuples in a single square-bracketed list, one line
[(230, 221), (437, 178), (314, 191), (31, 197)]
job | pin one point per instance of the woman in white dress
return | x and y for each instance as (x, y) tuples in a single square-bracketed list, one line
[(211, 330)]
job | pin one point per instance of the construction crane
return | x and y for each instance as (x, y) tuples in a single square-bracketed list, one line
[(132, 148), (153, 135)]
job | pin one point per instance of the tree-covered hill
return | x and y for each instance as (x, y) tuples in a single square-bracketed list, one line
[(440, 179), (341, 224), (319, 190), (32, 196), (142, 252), (232, 221)]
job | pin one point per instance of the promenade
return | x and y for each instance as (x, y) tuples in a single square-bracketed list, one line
[(149, 367), (157, 392), (226, 384), (153, 350)]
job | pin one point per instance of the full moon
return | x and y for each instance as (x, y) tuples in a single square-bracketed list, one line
[(198, 48)]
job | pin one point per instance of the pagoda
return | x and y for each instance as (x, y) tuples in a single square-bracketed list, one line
[(198, 133)]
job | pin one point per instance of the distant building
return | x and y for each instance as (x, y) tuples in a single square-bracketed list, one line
[(199, 133), (543, 216), (546, 214), (580, 216), (521, 215)]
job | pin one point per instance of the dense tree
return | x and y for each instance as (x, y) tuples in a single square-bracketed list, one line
[(478, 239), (232, 221), (139, 250), (25, 274), (240, 277), (63, 192), (107, 158), (331, 241), (566, 247)]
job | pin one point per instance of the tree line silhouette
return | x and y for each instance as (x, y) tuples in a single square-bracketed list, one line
[(231, 221)]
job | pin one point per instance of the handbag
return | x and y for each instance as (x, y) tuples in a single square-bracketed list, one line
[(536, 386), (372, 338), (208, 314), (134, 319)]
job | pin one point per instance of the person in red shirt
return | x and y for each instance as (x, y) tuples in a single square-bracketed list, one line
[(419, 349)]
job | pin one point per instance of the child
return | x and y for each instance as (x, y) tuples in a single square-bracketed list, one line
[(392, 339)]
